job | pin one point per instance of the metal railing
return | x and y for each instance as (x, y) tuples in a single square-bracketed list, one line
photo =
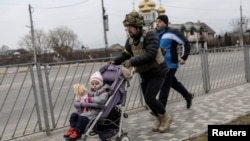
[(38, 98)]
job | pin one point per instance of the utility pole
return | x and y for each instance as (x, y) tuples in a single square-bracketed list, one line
[(241, 23), (105, 27), (32, 35)]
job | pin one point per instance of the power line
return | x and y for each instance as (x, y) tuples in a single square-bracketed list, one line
[(164, 3), (71, 5), (200, 8), (123, 11)]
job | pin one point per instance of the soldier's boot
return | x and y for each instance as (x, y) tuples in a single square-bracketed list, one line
[(157, 124), (165, 121)]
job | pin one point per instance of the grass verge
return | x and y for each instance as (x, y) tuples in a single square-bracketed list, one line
[(242, 120)]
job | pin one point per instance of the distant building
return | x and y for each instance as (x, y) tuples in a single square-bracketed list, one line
[(10, 52), (199, 34)]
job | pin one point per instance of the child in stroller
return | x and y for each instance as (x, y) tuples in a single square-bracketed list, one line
[(97, 95), (107, 123)]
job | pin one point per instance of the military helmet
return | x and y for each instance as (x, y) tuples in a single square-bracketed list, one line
[(134, 19)]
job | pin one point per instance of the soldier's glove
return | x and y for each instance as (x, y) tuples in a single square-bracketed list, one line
[(126, 72), (127, 64)]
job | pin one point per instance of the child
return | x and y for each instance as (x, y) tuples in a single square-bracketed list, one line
[(97, 95)]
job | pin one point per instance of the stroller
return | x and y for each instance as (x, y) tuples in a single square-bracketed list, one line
[(108, 122)]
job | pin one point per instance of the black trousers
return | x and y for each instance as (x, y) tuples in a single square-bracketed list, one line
[(150, 86), (78, 122), (171, 81)]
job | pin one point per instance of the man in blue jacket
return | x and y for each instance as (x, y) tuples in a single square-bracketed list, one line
[(169, 39)]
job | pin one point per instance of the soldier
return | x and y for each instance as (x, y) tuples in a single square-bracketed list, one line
[(142, 52)]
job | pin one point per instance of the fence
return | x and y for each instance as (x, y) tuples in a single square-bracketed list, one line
[(38, 98)]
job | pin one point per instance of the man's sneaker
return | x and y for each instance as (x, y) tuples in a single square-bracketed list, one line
[(75, 135), (189, 101), (69, 132)]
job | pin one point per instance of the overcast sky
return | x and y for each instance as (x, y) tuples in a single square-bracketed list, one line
[(84, 17)]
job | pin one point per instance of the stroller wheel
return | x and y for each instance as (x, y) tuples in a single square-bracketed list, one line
[(122, 138)]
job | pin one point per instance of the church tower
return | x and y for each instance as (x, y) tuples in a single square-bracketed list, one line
[(148, 9), (161, 10)]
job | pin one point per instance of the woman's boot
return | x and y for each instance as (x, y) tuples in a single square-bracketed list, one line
[(165, 121), (157, 124)]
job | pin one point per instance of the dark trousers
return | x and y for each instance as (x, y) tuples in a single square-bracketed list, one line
[(171, 81), (150, 86), (78, 122)]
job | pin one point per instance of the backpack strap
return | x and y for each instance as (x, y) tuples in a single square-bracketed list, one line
[(144, 34)]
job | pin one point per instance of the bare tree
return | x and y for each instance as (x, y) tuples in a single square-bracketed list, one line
[(26, 42), (235, 23), (63, 36), (63, 40), (4, 48), (41, 41)]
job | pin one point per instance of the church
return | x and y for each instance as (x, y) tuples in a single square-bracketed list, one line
[(199, 34)]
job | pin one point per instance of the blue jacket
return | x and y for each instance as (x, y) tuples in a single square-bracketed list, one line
[(169, 39)]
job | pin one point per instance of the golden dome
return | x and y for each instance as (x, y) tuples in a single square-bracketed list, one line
[(161, 10), (146, 6)]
